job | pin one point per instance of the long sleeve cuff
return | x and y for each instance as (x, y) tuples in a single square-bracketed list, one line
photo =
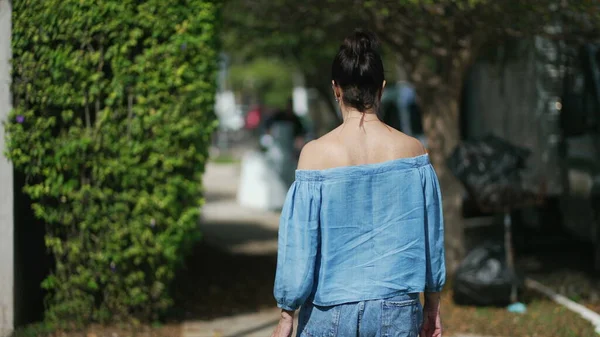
[(286, 307), (435, 289)]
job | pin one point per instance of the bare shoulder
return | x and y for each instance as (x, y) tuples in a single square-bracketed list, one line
[(316, 154), (407, 146), (329, 151)]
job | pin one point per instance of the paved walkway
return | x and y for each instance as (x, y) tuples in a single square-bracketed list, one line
[(259, 324), (227, 224), (224, 225), (239, 230)]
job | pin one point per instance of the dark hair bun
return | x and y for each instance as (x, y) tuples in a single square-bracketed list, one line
[(361, 43), (358, 70)]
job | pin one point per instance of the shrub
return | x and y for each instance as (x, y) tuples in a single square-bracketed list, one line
[(112, 122)]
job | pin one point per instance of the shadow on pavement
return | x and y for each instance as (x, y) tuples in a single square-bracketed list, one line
[(257, 328), (215, 283), (215, 196), (229, 233)]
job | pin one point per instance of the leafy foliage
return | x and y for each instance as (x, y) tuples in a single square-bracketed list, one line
[(112, 122), (433, 38), (269, 79), (303, 34)]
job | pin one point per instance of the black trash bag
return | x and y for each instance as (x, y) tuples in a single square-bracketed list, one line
[(491, 170), (484, 279)]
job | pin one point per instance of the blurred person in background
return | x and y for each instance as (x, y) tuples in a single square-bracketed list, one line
[(287, 115), (361, 232), (254, 118)]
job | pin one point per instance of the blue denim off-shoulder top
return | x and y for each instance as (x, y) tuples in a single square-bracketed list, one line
[(357, 233)]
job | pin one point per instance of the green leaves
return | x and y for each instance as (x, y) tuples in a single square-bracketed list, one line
[(112, 123)]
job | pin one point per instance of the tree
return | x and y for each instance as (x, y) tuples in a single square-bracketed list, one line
[(439, 40), (295, 32), (436, 41), (262, 81)]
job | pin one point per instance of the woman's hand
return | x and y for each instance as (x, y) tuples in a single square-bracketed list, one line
[(285, 328), (432, 322)]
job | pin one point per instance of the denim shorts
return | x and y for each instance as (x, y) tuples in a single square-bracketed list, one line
[(398, 316)]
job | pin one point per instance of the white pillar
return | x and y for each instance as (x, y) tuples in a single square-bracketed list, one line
[(299, 95), (6, 181)]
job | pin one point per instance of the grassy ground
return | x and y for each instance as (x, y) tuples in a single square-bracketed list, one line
[(554, 260), (566, 268), (543, 318)]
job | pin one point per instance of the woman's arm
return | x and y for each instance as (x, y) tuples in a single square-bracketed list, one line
[(297, 245), (432, 322), (435, 265), (285, 328), (435, 277), (432, 302)]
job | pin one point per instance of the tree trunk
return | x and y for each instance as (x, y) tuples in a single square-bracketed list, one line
[(441, 126)]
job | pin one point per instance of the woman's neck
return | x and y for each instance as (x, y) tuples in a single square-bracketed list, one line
[(351, 113)]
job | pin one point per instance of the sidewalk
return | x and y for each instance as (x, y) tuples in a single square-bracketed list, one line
[(229, 225), (238, 230), (259, 324)]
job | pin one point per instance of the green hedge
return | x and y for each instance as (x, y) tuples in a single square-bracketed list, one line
[(112, 122)]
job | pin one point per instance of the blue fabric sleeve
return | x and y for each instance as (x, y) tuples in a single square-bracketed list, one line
[(297, 245), (435, 274)]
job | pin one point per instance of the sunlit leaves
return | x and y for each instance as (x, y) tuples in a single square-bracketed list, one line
[(112, 123)]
